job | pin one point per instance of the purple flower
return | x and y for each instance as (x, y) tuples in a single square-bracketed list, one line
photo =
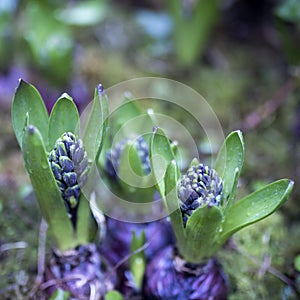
[(168, 276), (81, 271), (198, 187), (68, 161), (113, 156), (116, 245)]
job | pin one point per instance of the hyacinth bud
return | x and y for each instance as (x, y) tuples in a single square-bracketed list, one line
[(113, 156), (69, 165), (200, 186), (168, 276)]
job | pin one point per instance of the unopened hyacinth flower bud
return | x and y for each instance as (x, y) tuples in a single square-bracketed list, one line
[(113, 156), (200, 186), (169, 275), (69, 165)]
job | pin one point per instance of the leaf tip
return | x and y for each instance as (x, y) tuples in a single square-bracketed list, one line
[(66, 96), (291, 184), (22, 82), (31, 129), (100, 89)]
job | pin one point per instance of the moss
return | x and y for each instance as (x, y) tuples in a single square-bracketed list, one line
[(250, 256), (19, 223)]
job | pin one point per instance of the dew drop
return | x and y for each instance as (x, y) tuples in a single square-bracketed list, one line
[(31, 129), (44, 166)]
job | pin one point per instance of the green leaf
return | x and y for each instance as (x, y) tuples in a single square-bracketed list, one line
[(88, 13), (161, 155), (28, 100), (135, 161), (289, 11), (64, 117), (50, 41), (138, 186), (130, 168), (83, 220), (255, 207), (233, 192), (201, 233), (113, 295), (192, 26), (138, 259), (171, 201), (127, 111), (46, 190), (297, 263), (60, 294), (89, 215), (97, 220), (96, 125), (229, 163)]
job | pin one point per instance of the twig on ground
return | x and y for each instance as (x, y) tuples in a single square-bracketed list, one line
[(255, 118), (41, 258), (265, 266), (12, 246)]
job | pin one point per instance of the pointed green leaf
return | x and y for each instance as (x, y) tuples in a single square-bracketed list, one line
[(95, 127), (233, 192), (88, 213), (83, 220), (255, 207), (135, 161), (97, 221), (28, 100), (64, 117), (171, 201), (130, 168), (230, 159), (136, 185), (138, 259), (161, 155), (200, 234), (45, 187)]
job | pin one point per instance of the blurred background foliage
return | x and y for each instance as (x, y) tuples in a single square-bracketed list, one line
[(242, 56)]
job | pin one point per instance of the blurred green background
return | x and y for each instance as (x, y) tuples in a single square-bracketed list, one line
[(242, 56)]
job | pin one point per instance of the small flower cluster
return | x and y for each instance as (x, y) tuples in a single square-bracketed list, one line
[(200, 186), (171, 277), (113, 156), (69, 163)]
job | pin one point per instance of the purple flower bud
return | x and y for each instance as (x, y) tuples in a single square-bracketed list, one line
[(69, 165), (113, 156), (81, 271), (168, 276), (200, 186)]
